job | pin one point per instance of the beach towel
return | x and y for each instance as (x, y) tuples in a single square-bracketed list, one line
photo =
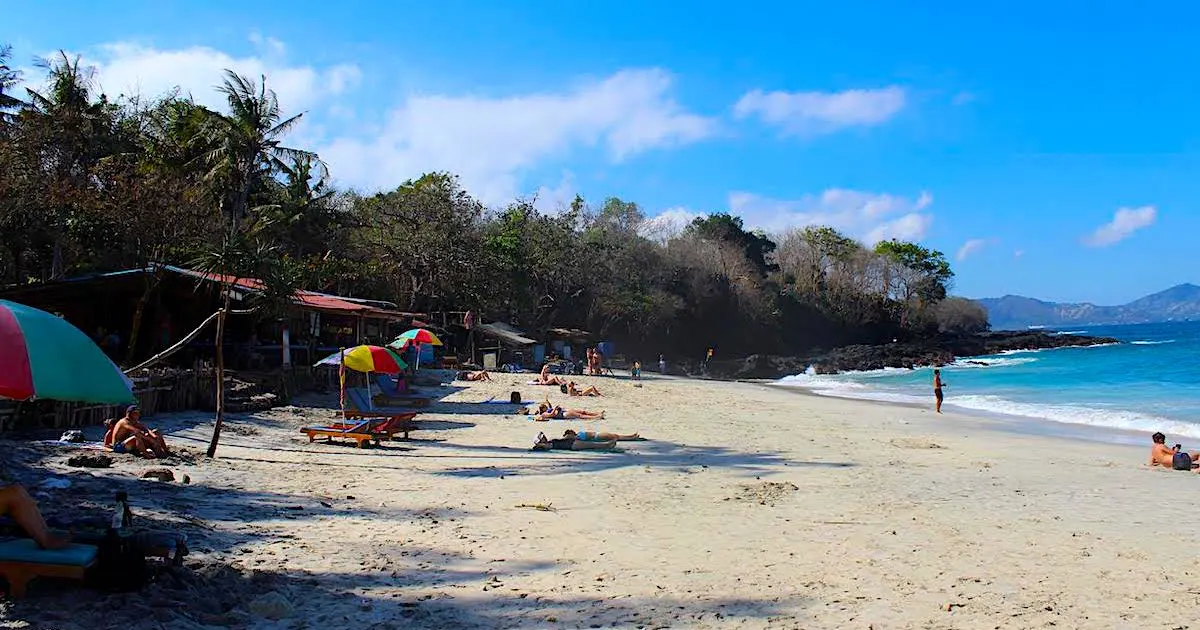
[(90, 446)]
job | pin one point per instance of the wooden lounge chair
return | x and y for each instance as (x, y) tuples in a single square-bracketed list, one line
[(360, 433), (385, 428), (21, 560)]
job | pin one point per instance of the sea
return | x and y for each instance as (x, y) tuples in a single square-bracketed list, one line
[(1114, 392)]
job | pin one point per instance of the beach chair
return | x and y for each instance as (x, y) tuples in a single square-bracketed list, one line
[(21, 560), (393, 394), (360, 432), (359, 407)]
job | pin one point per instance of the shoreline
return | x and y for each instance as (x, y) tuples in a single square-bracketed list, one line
[(1007, 423)]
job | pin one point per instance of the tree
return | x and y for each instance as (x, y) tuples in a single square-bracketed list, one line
[(914, 276), (961, 316), (244, 147)]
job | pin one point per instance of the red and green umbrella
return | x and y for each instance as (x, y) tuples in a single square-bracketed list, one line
[(44, 356)]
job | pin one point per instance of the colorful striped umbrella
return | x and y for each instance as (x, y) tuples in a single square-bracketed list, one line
[(367, 359), (44, 356), (416, 335)]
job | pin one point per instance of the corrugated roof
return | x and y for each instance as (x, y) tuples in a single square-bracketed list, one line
[(308, 299)]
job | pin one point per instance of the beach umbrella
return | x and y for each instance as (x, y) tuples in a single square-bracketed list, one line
[(44, 356), (415, 337), (418, 336), (367, 359)]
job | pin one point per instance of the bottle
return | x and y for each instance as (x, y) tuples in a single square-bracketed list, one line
[(122, 517)]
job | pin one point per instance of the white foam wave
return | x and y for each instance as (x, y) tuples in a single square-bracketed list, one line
[(983, 362), (1152, 343), (1068, 332), (1077, 414)]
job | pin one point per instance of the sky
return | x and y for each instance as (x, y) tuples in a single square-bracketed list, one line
[(1048, 149)]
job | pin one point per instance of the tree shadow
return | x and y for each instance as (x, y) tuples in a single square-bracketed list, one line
[(426, 589), (215, 519), (649, 453), (474, 408)]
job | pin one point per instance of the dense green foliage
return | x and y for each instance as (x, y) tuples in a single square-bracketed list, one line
[(89, 183)]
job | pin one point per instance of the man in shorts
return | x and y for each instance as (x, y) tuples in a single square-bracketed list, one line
[(129, 435)]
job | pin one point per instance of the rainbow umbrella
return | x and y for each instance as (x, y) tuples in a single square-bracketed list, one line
[(44, 356), (416, 335), (367, 359)]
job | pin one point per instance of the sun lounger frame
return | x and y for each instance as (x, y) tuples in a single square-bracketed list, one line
[(20, 573)]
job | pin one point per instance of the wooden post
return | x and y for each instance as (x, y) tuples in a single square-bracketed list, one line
[(212, 445)]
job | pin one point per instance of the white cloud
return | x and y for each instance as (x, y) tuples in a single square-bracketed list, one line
[(668, 224), (810, 113), (1125, 222), (870, 217), (127, 68), (972, 246), (491, 142), (558, 199), (1018, 253)]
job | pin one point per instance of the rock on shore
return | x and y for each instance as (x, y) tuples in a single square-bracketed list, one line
[(911, 354)]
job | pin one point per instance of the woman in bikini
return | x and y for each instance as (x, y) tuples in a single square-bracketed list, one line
[(590, 390), (600, 436), (547, 411)]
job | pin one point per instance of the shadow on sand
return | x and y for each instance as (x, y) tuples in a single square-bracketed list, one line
[(426, 589)]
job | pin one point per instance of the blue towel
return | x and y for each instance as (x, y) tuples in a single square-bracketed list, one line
[(25, 550)]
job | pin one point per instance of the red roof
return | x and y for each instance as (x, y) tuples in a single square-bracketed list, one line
[(309, 299)]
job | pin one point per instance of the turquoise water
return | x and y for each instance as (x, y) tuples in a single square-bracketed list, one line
[(1149, 382)]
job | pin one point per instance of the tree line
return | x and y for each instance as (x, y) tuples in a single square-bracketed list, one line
[(92, 183)]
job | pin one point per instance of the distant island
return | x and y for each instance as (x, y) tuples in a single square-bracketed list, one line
[(1179, 303)]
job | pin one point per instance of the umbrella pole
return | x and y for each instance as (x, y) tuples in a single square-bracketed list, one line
[(342, 380), (370, 402)]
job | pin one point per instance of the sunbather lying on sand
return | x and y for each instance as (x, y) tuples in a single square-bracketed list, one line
[(16, 503), (590, 390), (1160, 455), (546, 378), (600, 436), (129, 435), (548, 411), (481, 375), (570, 444)]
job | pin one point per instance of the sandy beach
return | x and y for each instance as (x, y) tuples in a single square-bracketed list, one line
[(748, 507)]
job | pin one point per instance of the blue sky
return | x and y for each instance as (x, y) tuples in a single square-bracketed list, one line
[(1050, 149)]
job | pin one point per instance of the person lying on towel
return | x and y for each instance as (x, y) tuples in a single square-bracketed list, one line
[(601, 436), (570, 444), (549, 411)]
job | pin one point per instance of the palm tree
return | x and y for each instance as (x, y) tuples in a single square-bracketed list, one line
[(9, 78), (244, 146), (242, 150)]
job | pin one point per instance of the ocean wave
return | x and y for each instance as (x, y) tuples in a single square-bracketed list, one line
[(1077, 414), (1065, 414), (1152, 343), (1068, 332), (983, 362)]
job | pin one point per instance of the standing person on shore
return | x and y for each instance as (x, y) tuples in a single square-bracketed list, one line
[(662, 365), (937, 389)]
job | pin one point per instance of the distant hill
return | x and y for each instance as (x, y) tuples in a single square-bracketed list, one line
[(1179, 303)]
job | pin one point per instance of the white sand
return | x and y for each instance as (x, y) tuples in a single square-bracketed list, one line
[(750, 507)]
